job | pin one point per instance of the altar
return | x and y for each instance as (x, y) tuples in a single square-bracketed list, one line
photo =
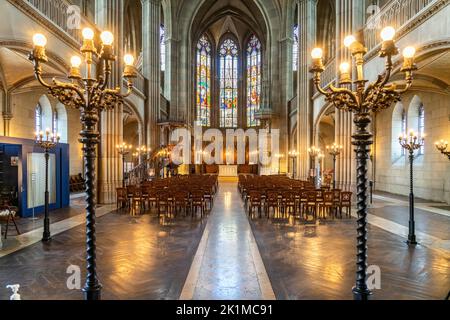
[(228, 170)]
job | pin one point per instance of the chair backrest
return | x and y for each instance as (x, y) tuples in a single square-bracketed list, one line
[(346, 197), (312, 195), (328, 196), (121, 192)]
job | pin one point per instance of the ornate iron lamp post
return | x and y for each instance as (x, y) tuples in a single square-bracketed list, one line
[(293, 155), (334, 151), (90, 94), (48, 143), (362, 101), (442, 147), (123, 150), (411, 143)]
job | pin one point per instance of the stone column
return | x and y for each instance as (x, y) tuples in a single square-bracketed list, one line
[(349, 20), (109, 16), (7, 114), (171, 78), (151, 67), (286, 75), (307, 35)]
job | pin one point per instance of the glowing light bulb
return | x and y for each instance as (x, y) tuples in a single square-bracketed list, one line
[(387, 34), (107, 38), (88, 34), (39, 40), (75, 61), (129, 59), (317, 53), (349, 40), (409, 52), (344, 67)]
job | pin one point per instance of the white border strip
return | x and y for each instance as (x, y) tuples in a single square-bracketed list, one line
[(34, 236)]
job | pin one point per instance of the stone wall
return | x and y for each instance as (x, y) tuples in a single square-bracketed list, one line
[(431, 170)]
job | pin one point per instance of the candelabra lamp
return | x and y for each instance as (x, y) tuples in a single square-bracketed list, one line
[(314, 152), (442, 147), (123, 150), (293, 155), (411, 143), (363, 99), (48, 143), (90, 94), (334, 151)]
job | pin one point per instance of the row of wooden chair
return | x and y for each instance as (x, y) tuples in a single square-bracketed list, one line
[(292, 197), (170, 196)]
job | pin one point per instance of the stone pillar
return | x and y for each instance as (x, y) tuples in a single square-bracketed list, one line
[(6, 121), (171, 78), (7, 114), (349, 20), (286, 76), (151, 67), (109, 16), (307, 35)]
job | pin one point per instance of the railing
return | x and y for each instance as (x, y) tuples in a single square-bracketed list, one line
[(148, 169), (396, 14), (329, 75), (55, 11)]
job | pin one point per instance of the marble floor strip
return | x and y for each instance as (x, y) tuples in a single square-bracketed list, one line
[(423, 206), (228, 264)]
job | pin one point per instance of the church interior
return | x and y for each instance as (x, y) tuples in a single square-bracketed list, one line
[(225, 150)]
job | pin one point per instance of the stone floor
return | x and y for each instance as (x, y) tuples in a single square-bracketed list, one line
[(139, 257), (230, 256)]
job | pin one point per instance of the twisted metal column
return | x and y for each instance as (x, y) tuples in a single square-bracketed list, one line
[(46, 234), (362, 140), (89, 139), (411, 231)]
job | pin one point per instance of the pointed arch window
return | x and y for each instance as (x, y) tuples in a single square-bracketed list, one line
[(228, 77), (38, 118), (404, 129), (421, 125), (204, 81), (162, 45), (295, 46), (55, 122), (253, 80)]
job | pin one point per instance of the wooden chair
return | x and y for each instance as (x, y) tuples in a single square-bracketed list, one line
[(198, 201), (271, 201), (311, 204), (163, 202), (182, 202), (121, 197), (255, 201), (11, 213), (327, 205), (288, 202), (346, 202), (136, 199)]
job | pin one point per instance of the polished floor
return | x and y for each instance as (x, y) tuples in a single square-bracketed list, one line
[(228, 255)]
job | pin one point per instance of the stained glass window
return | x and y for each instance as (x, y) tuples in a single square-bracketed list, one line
[(421, 125), (204, 81), (253, 80), (38, 118), (295, 48), (162, 44), (228, 77)]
